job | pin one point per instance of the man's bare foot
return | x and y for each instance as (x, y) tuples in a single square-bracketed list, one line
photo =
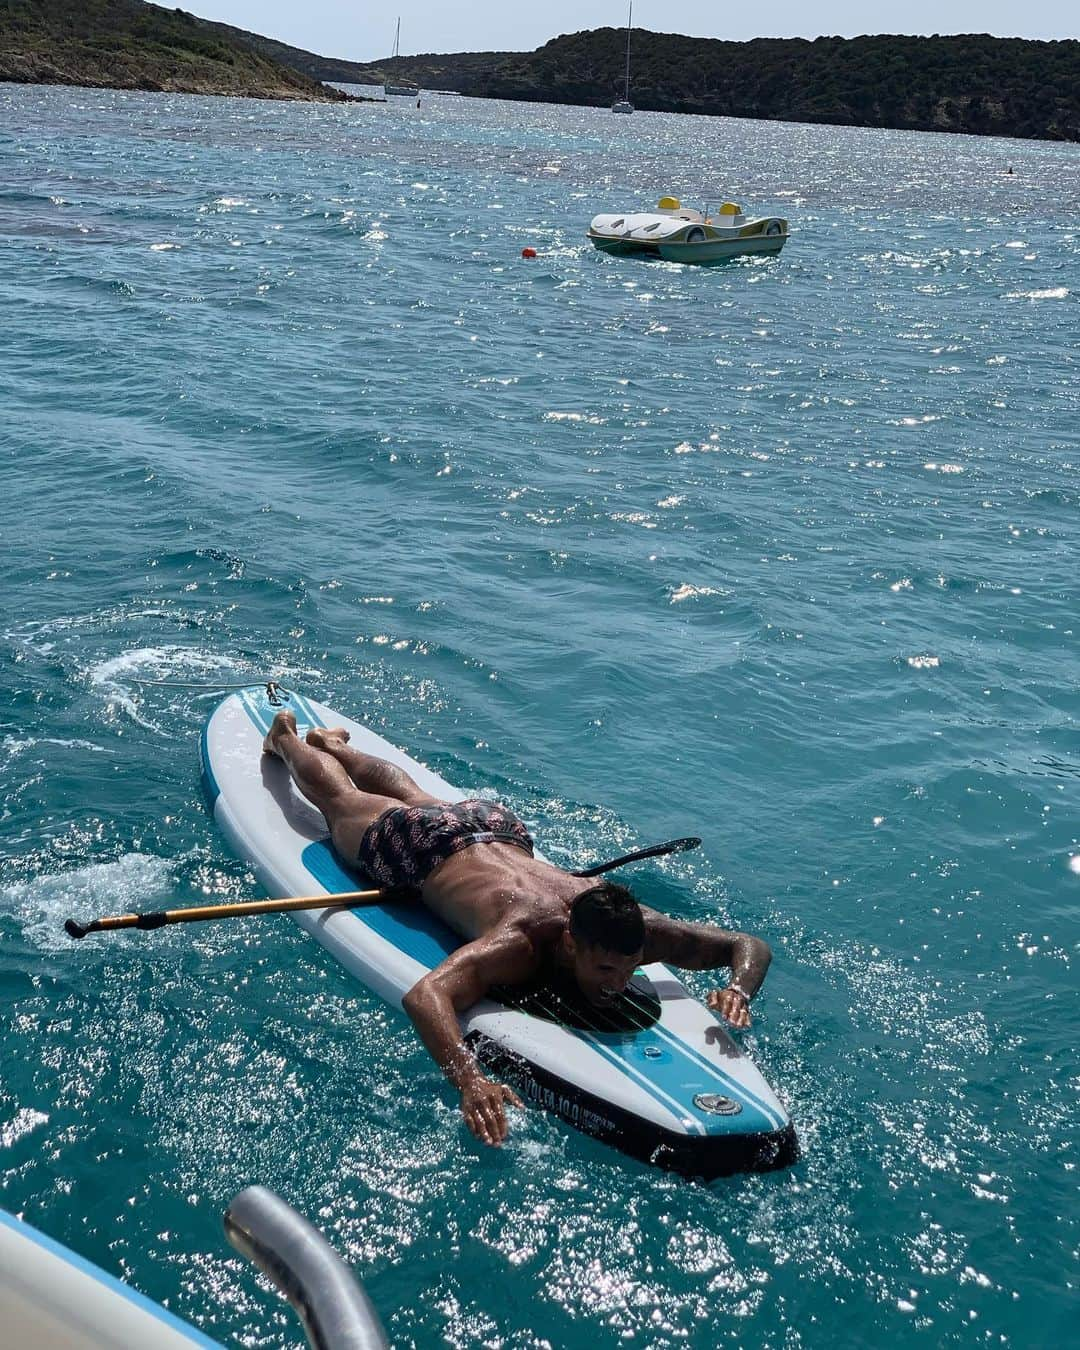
[(321, 737), (283, 724)]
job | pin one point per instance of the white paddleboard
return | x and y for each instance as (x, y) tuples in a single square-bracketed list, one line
[(658, 1077)]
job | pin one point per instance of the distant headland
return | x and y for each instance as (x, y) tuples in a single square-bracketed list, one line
[(970, 83), (126, 44)]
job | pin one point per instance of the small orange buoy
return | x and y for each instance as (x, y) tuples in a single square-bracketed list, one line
[(528, 253)]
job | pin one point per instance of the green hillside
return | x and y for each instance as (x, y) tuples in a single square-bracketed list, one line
[(126, 44), (355, 72), (971, 83)]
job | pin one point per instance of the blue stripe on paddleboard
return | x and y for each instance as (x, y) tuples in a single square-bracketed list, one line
[(109, 1282), (262, 712), (209, 782), (677, 1075), (413, 929), (252, 700), (306, 713), (734, 1087), (655, 1082)]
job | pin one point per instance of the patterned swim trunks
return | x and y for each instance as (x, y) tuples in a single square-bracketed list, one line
[(405, 845)]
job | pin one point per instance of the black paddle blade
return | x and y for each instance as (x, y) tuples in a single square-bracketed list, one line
[(656, 851), (74, 930)]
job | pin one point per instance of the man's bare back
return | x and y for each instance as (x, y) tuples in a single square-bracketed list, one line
[(520, 917), (480, 888)]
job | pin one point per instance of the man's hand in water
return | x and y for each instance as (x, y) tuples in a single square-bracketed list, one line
[(731, 1004), (483, 1106)]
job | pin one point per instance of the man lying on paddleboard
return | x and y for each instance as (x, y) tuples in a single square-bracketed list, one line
[(472, 864)]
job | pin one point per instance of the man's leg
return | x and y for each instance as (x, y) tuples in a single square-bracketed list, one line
[(369, 772), (322, 779)]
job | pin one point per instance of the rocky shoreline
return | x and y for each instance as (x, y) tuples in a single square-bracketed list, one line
[(23, 68)]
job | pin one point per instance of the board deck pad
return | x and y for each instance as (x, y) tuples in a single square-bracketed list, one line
[(657, 1075)]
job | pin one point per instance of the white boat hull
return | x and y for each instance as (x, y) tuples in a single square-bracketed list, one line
[(52, 1299), (716, 250)]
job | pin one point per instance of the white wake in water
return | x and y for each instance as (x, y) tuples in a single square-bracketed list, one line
[(136, 881), (121, 677)]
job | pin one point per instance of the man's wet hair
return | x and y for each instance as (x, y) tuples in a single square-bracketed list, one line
[(608, 916)]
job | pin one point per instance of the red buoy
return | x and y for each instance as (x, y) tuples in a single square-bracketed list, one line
[(528, 253)]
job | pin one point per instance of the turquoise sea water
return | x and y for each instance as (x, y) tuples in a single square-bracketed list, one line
[(781, 553)]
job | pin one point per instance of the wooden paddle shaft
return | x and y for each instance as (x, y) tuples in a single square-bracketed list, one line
[(194, 913)]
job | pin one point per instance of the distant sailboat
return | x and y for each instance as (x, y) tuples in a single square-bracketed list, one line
[(623, 105), (406, 90)]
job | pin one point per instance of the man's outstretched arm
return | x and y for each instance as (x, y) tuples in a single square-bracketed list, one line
[(434, 1003), (699, 946)]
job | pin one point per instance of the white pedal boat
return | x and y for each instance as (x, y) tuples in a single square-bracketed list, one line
[(657, 1076), (680, 234)]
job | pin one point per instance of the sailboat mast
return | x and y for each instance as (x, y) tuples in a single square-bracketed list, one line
[(397, 36), (629, 19)]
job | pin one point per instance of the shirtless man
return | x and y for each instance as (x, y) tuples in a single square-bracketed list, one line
[(472, 864)]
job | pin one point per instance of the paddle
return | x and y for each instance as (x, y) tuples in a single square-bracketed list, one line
[(656, 851), (195, 913), (342, 900)]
